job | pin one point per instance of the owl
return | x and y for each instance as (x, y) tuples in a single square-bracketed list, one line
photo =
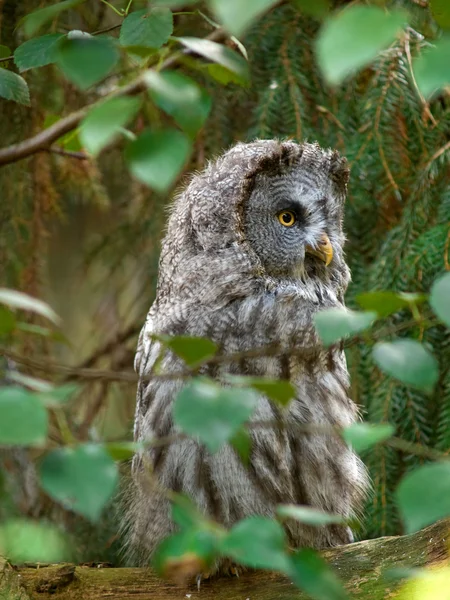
[(253, 250)]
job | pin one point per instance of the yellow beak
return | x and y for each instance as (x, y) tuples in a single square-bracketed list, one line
[(323, 250)]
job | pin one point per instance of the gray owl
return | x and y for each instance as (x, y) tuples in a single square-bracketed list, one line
[(253, 249)]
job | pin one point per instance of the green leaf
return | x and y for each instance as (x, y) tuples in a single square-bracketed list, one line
[(431, 68), (317, 9), (37, 52), (242, 444), (27, 541), (212, 413), (104, 122), (308, 515), (157, 157), (123, 450), (82, 479), (423, 496), (257, 542), (37, 19), (24, 421), (222, 74), (387, 303), (14, 87), (236, 15), (86, 61), (147, 28), (280, 391), (440, 298), (185, 554), (352, 38), (361, 436), (185, 514), (440, 9), (59, 395), (4, 52), (408, 361), (191, 349), (218, 54), (332, 324), (311, 573), (180, 97), (7, 321), (22, 301)]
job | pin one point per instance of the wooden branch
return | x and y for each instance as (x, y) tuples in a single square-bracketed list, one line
[(363, 567), (44, 139)]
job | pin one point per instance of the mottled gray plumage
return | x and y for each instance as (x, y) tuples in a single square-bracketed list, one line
[(232, 272)]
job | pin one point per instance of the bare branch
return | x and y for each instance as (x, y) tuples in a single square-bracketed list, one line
[(68, 153)]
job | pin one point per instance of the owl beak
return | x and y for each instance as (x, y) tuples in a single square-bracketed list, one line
[(323, 250)]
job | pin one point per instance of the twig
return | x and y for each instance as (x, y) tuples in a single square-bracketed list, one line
[(69, 153), (6, 59), (43, 140)]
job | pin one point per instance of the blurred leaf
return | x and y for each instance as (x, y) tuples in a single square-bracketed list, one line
[(86, 61), (14, 87), (222, 74), (35, 384), (332, 324), (27, 541), (352, 38), (59, 395), (82, 479), (185, 514), (308, 515), (219, 54), (35, 20), (4, 53), (69, 141), (191, 349), (312, 574), (177, 3), (37, 52), (431, 68), (120, 451), (236, 15), (440, 9), (211, 412), (157, 157), (408, 361), (279, 390), (440, 295), (242, 444), (317, 9), (185, 555), (7, 320), (103, 123), (44, 331), (22, 301), (180, 97), (386, 303), (423, 496), (147, 28), (361, 436), (257, 542), (427, 584), (24, 421)]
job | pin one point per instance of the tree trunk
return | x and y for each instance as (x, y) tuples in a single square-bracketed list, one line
[(363, 567)]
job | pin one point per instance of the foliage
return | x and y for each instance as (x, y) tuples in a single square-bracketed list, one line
[(362, 82)]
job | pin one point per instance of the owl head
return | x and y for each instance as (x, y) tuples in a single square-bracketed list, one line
[(292, 210), (265, 211)]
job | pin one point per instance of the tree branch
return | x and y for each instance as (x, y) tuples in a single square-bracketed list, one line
[(44, 139)]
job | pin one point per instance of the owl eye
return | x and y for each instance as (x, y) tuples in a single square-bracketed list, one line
[(287, 218)]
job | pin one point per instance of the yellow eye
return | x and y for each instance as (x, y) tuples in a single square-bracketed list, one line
[(287, 218)]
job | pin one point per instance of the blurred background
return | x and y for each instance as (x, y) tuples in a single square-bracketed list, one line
[(84, 236)]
